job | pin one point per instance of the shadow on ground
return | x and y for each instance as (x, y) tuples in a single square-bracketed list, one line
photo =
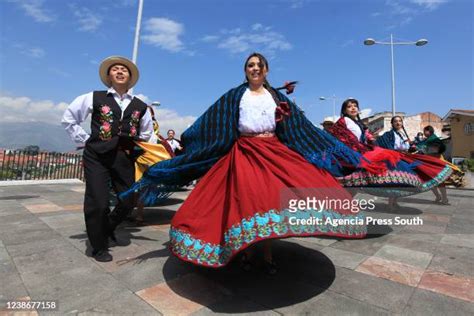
[(401, 210), (303, 274)]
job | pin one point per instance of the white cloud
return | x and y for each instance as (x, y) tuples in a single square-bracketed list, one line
[(413, 7), (169, 119), (398, 8), (24, 109), (258, 38), (232, 31), (257, 26), (429, 4), (403, 12), (34, 9), (210, 38), (164, 33), (34, 52), (125, 3), (59, 72), (88, 21), (297, 4), (365, 113)]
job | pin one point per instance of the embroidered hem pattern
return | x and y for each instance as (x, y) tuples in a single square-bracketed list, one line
[(412, 183), (272, 224)]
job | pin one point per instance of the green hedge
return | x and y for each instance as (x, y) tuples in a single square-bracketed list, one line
[(469, 164)]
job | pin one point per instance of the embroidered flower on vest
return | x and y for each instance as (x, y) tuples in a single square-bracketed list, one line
[(134, 123), (106, 119)]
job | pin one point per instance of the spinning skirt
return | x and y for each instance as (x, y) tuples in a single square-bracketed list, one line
[(409, 174), (152, 153), (237, 203)]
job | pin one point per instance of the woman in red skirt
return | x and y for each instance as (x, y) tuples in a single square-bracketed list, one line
[(252, 148), (237, 202), (398, 172)]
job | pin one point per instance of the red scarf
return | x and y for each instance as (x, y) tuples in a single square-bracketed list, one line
[(375, 157), (341, 132)]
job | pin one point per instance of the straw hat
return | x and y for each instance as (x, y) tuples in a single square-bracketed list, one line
[(114, 60)]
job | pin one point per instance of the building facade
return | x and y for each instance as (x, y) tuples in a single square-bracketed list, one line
[(462, 132), (379, 123)]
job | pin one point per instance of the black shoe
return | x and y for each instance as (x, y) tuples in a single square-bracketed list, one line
[(102, 255), (270, 268)]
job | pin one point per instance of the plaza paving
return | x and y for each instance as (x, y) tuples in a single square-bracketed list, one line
[(396, 270)]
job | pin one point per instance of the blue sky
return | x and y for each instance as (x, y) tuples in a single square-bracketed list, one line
[(191, 52)]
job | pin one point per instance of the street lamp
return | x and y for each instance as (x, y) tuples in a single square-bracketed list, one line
[(371, 41), (334, 99), (137, 34)]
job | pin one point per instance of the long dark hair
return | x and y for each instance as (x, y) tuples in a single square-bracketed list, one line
[(263, 62), (266, 84), (403, 126), (358, 120)]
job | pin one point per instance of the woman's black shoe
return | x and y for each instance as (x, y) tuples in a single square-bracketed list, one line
[(102, 255)]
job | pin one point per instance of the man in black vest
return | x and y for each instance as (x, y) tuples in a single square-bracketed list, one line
[(118, 118)]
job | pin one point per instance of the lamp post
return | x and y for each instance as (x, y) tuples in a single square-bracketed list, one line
[(334, 99), (371, 41), (137, 34)]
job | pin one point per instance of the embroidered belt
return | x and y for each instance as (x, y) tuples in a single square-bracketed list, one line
[(264, 134)]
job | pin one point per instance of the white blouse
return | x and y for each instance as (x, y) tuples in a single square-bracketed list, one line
[(257, 113), (353, 127), (399, 143)]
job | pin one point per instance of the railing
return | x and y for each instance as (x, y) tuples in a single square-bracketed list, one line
[(34, 165)]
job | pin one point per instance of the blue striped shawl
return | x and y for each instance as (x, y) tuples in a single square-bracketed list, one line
[(214, 133), (387, 140)]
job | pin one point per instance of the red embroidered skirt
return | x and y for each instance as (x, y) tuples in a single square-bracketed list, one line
[(410, 174), (237, 203)]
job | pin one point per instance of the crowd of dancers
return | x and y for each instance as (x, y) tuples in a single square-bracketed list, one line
[(247, 148)]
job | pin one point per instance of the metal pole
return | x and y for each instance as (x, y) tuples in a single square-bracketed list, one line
[(393, 76), (137, 34)]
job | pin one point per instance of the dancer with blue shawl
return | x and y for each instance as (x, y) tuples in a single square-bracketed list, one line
[(399, 173), (397, 138), (249, 146)]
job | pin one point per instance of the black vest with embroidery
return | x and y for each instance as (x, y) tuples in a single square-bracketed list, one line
[(109, 128)]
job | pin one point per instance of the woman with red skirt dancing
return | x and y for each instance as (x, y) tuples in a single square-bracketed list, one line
[(250, 145), (398, 173)]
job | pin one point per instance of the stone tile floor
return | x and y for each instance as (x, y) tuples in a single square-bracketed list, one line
[(396, 270)]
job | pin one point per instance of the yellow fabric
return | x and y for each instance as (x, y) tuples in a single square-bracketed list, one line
[(153, 153), (452, 166)]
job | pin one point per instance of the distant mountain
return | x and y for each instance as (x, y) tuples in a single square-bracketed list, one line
[(47, 136)]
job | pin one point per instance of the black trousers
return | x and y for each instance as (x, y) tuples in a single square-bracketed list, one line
[(100, 170)]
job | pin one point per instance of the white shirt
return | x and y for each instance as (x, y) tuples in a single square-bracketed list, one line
[(400, 144), (174, 144), (257, 112), (78, 111), (353, 127)]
